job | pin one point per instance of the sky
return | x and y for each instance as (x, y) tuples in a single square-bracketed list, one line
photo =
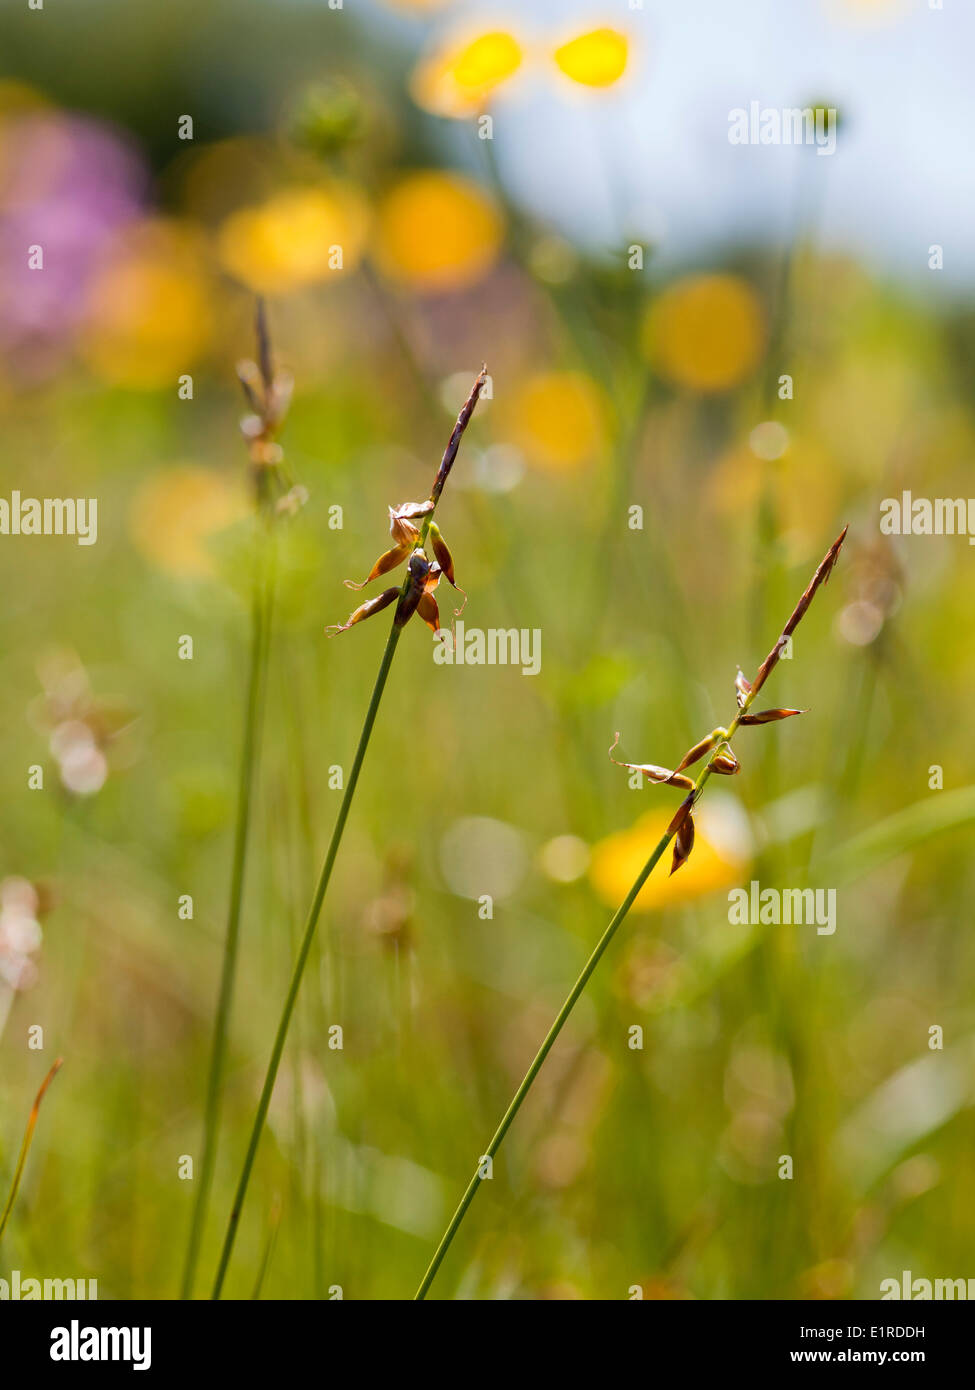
[(651, 160)]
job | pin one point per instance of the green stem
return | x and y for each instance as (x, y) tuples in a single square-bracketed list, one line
[(302, 958), (562, 1017), (536, 1065), (25, 1146), (261, 610)]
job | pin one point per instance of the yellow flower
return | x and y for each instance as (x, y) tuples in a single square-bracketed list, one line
[(719, 860), (595, 59), (149, 309), (438, 232), (804, 488), (706, 332), (559, 419), (174, 514), (296, 238), (458, 79)]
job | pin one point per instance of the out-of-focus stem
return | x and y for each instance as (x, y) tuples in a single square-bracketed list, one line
[(303, 951), (261, 614), (314, 912), (25, 1146)]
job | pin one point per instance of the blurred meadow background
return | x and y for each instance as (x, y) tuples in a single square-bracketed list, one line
[(638, 287)]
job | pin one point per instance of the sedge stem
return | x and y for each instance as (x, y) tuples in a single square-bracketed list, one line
[(302, 958), (261, 610), (314, 912), (724, 741), (550, 1037)]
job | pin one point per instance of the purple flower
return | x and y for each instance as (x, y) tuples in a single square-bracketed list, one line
[(68, 184)]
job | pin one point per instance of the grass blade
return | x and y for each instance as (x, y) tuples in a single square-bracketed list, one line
[(25, 1146)]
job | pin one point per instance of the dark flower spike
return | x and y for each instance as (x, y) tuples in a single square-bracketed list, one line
[(453, 443), (365, 610), (423, 576), (769, 716), (652, 772), (683, 843), (820, 577)]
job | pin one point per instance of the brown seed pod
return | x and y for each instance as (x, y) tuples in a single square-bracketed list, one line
[(365, 610), (440, 550), (681, 815), (683, 843), (423, 577), (428, 611), (698, 751), (725, 764), (383, 565), (446, 563), (769, 716), (652, 772)]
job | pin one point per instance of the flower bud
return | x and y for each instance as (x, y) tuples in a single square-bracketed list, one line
[(769, 716)]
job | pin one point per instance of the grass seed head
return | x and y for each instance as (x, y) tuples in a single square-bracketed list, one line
[(423, 575), (723, 760), (268, 394)]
